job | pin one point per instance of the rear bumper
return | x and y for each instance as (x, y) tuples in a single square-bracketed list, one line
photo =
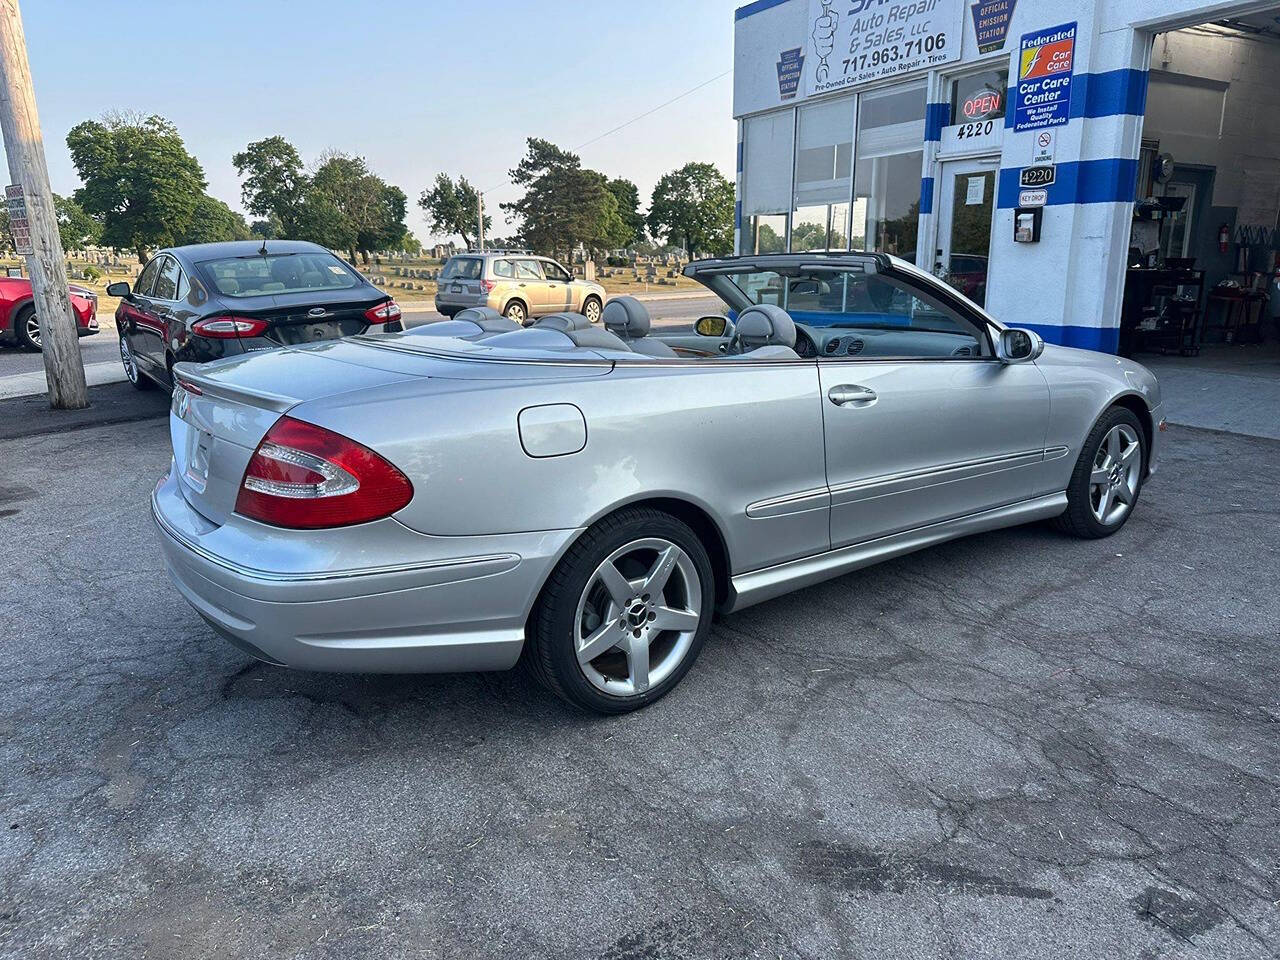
[(461, 301), (432, 616)]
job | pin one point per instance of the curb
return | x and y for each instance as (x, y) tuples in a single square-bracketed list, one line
[(34, 383), (111, 403)]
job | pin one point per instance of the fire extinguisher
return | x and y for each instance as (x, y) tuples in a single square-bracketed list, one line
[(1224, 238)]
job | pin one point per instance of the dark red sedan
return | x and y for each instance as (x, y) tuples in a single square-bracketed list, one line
[(19, 325)]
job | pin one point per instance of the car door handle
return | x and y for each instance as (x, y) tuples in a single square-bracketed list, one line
[(851, 395)]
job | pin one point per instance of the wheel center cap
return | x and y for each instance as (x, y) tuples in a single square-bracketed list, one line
[(637, 614)]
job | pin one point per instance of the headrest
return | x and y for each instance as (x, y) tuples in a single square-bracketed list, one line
[(564, 322), (626, 317), (487, 319), (597, 338), (227, 285), (765, 325)]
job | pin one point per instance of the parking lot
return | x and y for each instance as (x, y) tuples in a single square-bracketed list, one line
[(1015, 745)]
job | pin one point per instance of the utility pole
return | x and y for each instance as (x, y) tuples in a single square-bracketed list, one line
[(46, 263), (480, 218)]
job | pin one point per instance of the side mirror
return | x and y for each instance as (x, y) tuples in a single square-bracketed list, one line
[(118, 289), (1018, 346), (713, 325)]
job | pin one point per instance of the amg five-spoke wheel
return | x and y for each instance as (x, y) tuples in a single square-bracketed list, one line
[(1108, 476), (638, 616), (624, 614), (1117, 468)]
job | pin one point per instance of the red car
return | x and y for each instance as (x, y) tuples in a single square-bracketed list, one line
[(18, 323)]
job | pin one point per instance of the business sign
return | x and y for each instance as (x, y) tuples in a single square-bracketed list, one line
[(991, 23), (1033, 198), (1043, 92), (981, 105), (790, 63), (859, 41), (19, 226)]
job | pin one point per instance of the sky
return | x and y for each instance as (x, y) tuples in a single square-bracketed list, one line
[(416, 88)]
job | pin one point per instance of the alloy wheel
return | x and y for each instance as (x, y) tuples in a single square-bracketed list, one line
[(1116, 474), (637, 617), (592, 311), (515, 312), (33, 329), (130, 365)]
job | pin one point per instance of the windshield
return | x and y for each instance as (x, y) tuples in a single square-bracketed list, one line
[(276, 273), (462, 268), (847, 297)]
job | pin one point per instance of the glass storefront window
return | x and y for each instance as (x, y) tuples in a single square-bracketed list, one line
[(767, 153), (888, 170), (823, 166), (766, 234), (979, 96)]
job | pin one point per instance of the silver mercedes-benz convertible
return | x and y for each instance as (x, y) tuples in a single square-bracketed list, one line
[(471, 492)]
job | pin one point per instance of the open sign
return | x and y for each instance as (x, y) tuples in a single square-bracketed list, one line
[(982, 105)]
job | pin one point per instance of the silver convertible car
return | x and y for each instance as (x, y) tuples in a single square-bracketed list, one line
[(472, 493)]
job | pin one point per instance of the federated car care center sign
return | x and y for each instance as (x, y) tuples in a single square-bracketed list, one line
[(857, 41), (1042, 97)]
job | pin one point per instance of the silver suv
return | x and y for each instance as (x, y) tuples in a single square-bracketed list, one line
[(517, 285)]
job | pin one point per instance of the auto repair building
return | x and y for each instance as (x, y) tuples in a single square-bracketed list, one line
[(1068, 163)]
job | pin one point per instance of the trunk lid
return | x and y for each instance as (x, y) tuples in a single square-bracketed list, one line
[(298, 318), (221, 411)]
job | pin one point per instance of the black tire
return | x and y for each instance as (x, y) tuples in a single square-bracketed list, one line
[(132, 372), (586, 308), (1079, 519), (20, 321), (517, 311), (549, 652)]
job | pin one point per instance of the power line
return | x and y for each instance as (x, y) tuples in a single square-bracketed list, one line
[(635, 119), (668, 103)]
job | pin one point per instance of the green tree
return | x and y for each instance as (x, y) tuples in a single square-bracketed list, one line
[(371, 211), (541, 158), (268, 229), (563, 204), (274, 181), (76, 228), (321, 221), (628, 196), (693, 206), (453, 208), (139, 180), (214, 222)]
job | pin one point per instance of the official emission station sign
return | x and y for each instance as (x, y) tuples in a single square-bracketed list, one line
[(858, 41), (19, 226), (991, 23)]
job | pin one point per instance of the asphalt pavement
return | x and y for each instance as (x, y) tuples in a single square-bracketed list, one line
[(1014, 745)]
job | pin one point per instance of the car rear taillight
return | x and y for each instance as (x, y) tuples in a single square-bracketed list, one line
[(229, 328), (306, 477), (383, 312), (488, 285)]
